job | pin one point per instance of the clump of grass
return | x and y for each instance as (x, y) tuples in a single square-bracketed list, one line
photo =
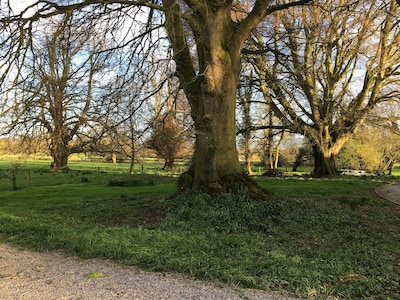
[(226, 213), (94, 275), (121, 181)]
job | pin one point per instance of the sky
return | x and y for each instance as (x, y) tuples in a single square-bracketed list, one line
[(17, 5)]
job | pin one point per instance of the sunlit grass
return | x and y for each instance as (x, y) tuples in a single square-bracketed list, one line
[(313, 237), (396, 171)]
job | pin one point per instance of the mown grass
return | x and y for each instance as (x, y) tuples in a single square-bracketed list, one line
[(315, 238)]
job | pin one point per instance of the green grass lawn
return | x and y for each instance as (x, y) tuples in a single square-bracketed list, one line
[(315, 238)]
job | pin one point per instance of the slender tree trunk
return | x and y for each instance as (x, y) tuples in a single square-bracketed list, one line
[(14, 179), (277, 148), (247, 124), (132, 147), (169, 163), (276, 158), (247, 156), (270, 140), (114, 159), (131, 164)]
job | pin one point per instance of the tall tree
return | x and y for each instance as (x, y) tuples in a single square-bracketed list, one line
[(166, 139), (210, 81), (206, 43), (53, 90), (337, 61), (168, 125)]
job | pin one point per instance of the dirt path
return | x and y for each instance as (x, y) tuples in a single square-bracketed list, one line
[(35, 276)]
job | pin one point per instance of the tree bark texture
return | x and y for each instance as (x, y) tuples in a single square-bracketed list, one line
[(59, 151), (324, 162)]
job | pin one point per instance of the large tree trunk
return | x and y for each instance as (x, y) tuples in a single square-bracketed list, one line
[(210, 82), (215, 157), (325, 154), (324, 162), (59, 151), (215, 163), (60, 158)]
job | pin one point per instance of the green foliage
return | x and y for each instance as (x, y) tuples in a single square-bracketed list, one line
[(314, 238), (359, 154), (94, 275), (319, 245), (373, 149), (226, 213)]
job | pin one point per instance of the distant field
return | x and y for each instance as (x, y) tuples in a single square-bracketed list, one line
[(37, 172)]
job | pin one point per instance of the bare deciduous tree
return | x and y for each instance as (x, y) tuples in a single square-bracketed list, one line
[(52, 91), (337, 61)]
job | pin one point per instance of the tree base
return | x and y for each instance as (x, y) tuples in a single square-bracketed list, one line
[(55, 168), (229, 184)]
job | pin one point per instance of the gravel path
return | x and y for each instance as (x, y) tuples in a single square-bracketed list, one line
[(390, 192), (35, 276)]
